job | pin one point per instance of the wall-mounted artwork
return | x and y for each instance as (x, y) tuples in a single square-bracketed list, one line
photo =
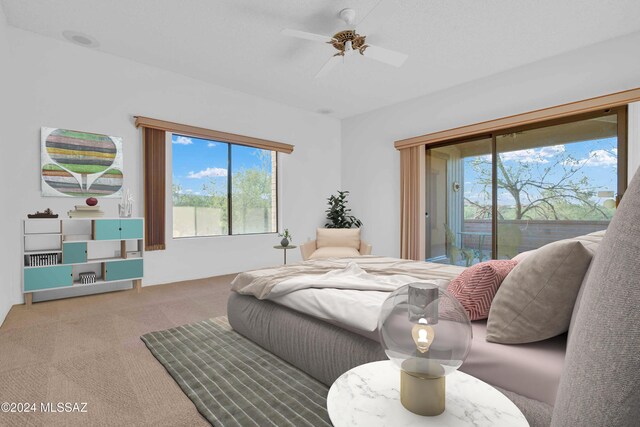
[(80, 164)]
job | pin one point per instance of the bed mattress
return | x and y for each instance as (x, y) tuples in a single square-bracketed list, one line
[(326, 348)]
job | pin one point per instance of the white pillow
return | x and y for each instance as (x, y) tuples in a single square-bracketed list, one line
[(334, 252), (338, 237)]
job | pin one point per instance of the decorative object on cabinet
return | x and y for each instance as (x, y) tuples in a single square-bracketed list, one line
[(82, 211), (70, 253), (48, 213), (80, 164), (125, 208)]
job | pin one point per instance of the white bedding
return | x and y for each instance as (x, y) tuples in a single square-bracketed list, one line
[(358, 309), (350, 296), (349, 291)]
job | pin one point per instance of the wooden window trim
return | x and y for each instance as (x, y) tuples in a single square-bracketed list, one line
[(195, 131), (533, 117)]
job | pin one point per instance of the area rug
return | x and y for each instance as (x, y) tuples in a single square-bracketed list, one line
[(234, 382)]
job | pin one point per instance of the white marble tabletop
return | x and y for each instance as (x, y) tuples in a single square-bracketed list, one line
[(369, 395)]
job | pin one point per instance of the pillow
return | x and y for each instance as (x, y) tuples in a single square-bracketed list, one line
[(335, 237), (334, 252), (536, 300), (522, 255), (476, 286)]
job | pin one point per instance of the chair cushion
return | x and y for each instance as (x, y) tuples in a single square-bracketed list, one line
[(477, 285), (600, 384), (334, 252), (536, 299), (338, 237)]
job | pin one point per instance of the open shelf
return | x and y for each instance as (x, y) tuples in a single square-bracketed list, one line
[(88, 245), (49, 251), (42, 234)]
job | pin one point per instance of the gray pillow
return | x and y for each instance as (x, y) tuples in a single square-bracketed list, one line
[(600, 383), (536, 299)]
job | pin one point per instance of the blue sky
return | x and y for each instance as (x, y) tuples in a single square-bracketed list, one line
[(598, 158), (198, 161)]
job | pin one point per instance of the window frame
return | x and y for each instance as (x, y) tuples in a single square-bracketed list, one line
[(623, 151), (169, 141)]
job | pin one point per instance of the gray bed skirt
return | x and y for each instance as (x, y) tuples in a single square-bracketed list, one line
[(323, 350), (320, 349)]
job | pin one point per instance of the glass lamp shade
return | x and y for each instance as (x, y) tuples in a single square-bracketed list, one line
[(424, 330)]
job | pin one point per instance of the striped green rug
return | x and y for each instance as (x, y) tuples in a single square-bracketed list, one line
[(234, 382)]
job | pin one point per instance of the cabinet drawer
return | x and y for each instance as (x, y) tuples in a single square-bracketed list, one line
[(131, 229), (74, 253), (47, 277), (106, 229), (124, 270)]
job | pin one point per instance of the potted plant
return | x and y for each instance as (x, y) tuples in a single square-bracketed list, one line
[(338, 215), (286, 238)]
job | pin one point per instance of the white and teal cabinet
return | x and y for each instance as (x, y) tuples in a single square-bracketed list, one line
[(61, 253), (118, 229)]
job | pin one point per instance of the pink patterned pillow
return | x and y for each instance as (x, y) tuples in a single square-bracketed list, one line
[(477, 285)]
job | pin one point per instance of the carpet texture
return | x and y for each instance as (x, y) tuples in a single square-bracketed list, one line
[(234, 382), (88, 349)]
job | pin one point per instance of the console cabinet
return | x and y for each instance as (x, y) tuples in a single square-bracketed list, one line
[(58, 253)]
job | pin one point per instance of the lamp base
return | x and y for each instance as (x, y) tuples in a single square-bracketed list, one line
[(421, 394)]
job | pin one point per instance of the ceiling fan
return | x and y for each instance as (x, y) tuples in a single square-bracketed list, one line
[(347, 43)]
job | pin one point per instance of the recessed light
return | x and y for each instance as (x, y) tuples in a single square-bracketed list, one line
[(80, 39), (325, 111)]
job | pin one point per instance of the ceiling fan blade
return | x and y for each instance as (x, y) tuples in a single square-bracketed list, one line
[(329, 65), (306, 36), (387, 56)]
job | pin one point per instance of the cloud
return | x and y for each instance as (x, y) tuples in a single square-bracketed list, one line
[(211, 144), (597, 158), (533, 155), (207, 173), (182, 140)]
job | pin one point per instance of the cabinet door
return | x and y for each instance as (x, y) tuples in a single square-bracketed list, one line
[(106, 229), (124, 270), (74, 253), (38, 278), (131, 229)]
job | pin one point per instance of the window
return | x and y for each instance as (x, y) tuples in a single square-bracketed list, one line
[(518, 189), (221, 188)]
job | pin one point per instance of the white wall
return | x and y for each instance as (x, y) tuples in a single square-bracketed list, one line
[(7, 270), (62, 85), (371, 165)]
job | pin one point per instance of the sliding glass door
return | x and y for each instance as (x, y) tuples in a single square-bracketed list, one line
[(459, 204), (521, 188), (555, 182)]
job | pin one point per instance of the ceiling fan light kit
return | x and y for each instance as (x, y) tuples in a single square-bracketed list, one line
[(346, 42)]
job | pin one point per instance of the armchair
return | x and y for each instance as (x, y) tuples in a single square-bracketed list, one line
[(335, 242)]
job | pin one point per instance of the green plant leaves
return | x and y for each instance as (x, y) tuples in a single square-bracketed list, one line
[(338, 215)]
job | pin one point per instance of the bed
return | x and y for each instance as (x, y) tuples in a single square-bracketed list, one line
[(328, 326)]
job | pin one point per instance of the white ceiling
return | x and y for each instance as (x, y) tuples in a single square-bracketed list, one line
[(236, 43)]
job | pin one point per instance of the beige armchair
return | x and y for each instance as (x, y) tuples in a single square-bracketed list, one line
[(335, 243)]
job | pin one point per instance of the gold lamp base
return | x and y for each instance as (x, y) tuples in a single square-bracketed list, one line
[(422, 394)]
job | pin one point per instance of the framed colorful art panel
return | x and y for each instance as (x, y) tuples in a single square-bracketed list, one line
[(80, 164)]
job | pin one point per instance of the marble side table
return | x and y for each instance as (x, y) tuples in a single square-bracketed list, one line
[(369, 395)]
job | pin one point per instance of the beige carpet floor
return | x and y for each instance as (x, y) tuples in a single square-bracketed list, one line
[(88, 349)]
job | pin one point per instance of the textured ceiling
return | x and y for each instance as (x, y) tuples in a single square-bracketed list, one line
[(237, 43)]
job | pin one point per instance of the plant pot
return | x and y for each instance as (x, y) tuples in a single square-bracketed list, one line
[(284, 243)]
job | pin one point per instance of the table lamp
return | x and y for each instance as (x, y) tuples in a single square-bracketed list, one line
[(427, 334)]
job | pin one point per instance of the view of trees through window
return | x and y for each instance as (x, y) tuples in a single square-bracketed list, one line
[(202, 203), (552, 182)]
